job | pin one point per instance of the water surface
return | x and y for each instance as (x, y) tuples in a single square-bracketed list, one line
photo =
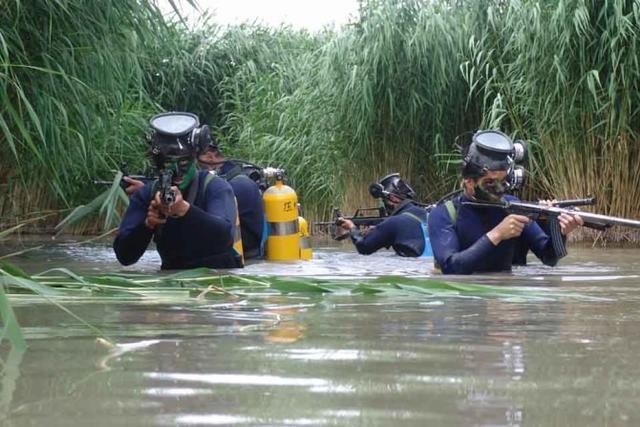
[(564, 353)]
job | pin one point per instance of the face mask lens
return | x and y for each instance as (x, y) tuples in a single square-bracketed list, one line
[(174, 123), (404, 189), (493, 141)]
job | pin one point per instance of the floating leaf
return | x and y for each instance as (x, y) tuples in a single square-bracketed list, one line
[(298, 285), (113, 281), (366, 290)]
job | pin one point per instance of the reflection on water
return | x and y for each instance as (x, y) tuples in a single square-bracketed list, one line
[(569, 358)]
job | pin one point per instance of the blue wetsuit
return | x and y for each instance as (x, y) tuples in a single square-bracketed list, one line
[(404, 230), (464, 248), (203, 237), (250, 209)]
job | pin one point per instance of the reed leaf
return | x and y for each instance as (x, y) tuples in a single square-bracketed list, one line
[(338, 109), (11, 327)]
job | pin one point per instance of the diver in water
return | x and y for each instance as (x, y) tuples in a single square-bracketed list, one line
[(248, 195), (468, 239), (193, 219), (405, 230)]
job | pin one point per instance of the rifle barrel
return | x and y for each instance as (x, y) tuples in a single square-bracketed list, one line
[(589, 201), (604, 221)]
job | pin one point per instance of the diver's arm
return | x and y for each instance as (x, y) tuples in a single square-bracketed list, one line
[(446, 247), (378, 237), (133, 235)]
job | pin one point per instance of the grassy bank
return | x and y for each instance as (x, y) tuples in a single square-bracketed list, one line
[(389, 92)]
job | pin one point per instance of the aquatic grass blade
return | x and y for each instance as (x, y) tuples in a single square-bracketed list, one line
[(191, 274), (118, 281), (82, 211), (296, 285), (64, 271), (5, 233), (23, 251), (46, 292), (366, 290), (9, 280), (11, 326), (14, 270)]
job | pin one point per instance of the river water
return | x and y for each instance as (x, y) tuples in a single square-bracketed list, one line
[(566, 355)]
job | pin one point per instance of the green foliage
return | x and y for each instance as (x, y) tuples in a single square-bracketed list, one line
[(389, 92), (61, 285), (108, 204), (72, 102), (11, 327), (61, 282)]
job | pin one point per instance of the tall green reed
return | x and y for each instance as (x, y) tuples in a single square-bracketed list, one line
[(71, 96), (389, 92)]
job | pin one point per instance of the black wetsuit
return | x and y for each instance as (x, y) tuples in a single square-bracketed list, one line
[(464, 248), (250, 209), (402, 230), (203, 237)]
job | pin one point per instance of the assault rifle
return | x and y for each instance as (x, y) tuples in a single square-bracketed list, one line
[(125, 173), (537, 211), (359, 218)]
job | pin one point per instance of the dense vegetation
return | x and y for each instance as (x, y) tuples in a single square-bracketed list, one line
[(389, 92)]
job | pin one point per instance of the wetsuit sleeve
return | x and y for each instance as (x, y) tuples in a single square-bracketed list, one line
[(133, 236), (446, 246), (218, 217), (540, 243), (382, 236)]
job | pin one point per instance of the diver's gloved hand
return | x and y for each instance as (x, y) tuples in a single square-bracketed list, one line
[(568, 222), (154, 216), (510, 227), (133, 185), (347, 224), (177, 209)]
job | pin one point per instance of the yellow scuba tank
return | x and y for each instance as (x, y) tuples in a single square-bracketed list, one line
[(237, 236), (305, 241), (281, 210)]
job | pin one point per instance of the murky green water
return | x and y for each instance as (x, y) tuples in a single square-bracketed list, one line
[(568, 357)]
